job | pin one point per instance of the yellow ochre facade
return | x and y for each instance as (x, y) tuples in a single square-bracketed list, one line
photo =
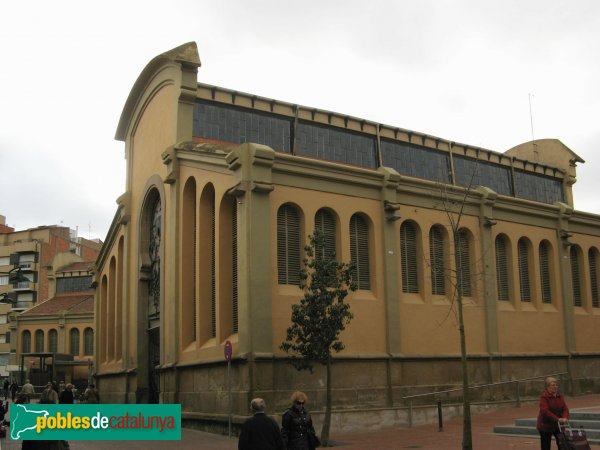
[(223, 189)]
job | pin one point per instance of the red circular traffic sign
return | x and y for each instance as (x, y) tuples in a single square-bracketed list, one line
[(228, 351)]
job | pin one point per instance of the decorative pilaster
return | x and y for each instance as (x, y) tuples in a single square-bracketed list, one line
[(251, 165)]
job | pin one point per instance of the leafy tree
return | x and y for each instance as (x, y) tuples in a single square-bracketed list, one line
[(321, 315)]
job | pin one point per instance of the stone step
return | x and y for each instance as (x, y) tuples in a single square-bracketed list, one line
[(588, 421), (577, 423)]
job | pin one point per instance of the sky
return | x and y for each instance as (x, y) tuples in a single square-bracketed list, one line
[(488, 73)]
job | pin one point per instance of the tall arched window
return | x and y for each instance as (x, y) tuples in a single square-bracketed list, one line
[(523, 256), (154, 254), (52, 341), (26, 342), (74, 341), (576, 276), (325, 222), (288, 245), (359, 251), (463, 262), (545, 280), (207, 272), (593, 261), (502, 268), (189, 260), (436, 259), (39, 341), (88, 342), (408, 255)]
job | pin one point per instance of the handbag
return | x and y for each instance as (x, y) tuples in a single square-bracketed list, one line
[(313, 440)]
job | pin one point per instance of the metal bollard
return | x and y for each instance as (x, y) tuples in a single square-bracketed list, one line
[(440, 420)]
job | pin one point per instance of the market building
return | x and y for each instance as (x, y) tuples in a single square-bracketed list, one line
[(223, 189)]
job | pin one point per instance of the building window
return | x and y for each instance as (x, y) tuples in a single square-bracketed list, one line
[(26, 342), (154, 253), (52, 341), (325, 223), (576, 276), (288, 245), (189, 246), (436, 260), (502, 268), (74, 341), (234, 262), (408, 254), (593, 261), (39, 341), (207, 271), (73, 284), (463, 262), (546, 282), (359, 251), (88, 343), (523, 257)]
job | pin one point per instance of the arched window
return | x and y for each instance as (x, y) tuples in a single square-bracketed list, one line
[(288, 245), (463, 262), (52, 341), (436, 259), (88, 342), (523, 256), (74, 341), (576, 276), (502, 268), (26, 342), (189, 263), (325, 222), (408, 255), (359, 251), (207, 270), (39, 341), (593, 261), (545, 280)]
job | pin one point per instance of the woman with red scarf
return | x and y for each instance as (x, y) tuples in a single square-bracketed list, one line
[(553, 410)]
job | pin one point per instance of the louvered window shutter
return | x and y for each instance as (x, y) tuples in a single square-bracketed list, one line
[(408, 254), (545, 273), (288, 245), (593, 259), (359, 251), (213, 276), (575, 273), (234, 259), (463, 263), (524, 271), (501, 268), (325, 222), (436, 256)]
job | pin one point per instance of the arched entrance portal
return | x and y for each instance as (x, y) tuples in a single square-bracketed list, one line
[(154, 289)]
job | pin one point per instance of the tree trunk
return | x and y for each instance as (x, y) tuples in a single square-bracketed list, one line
[(327, 418), (467, 442)]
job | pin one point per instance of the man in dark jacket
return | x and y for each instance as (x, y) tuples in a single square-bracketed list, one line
[(260, 432)]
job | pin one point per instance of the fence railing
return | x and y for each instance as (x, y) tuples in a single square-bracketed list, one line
[(438, 403)]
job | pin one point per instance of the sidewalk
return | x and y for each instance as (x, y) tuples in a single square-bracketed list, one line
[(423, 437)]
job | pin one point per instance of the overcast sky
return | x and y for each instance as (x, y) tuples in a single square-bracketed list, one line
[(473, 71)]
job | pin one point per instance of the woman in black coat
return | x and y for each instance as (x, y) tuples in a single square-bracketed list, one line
[(297, 427)]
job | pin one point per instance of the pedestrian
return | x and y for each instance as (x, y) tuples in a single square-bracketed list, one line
[(553, 411), (6, 387), (297, 427), (27, 390), (91, 394), (14, 388), (49, 394), (260, 432), (66, 396)]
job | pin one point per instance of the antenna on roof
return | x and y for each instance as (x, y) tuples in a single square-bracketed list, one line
[(535, 153)]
